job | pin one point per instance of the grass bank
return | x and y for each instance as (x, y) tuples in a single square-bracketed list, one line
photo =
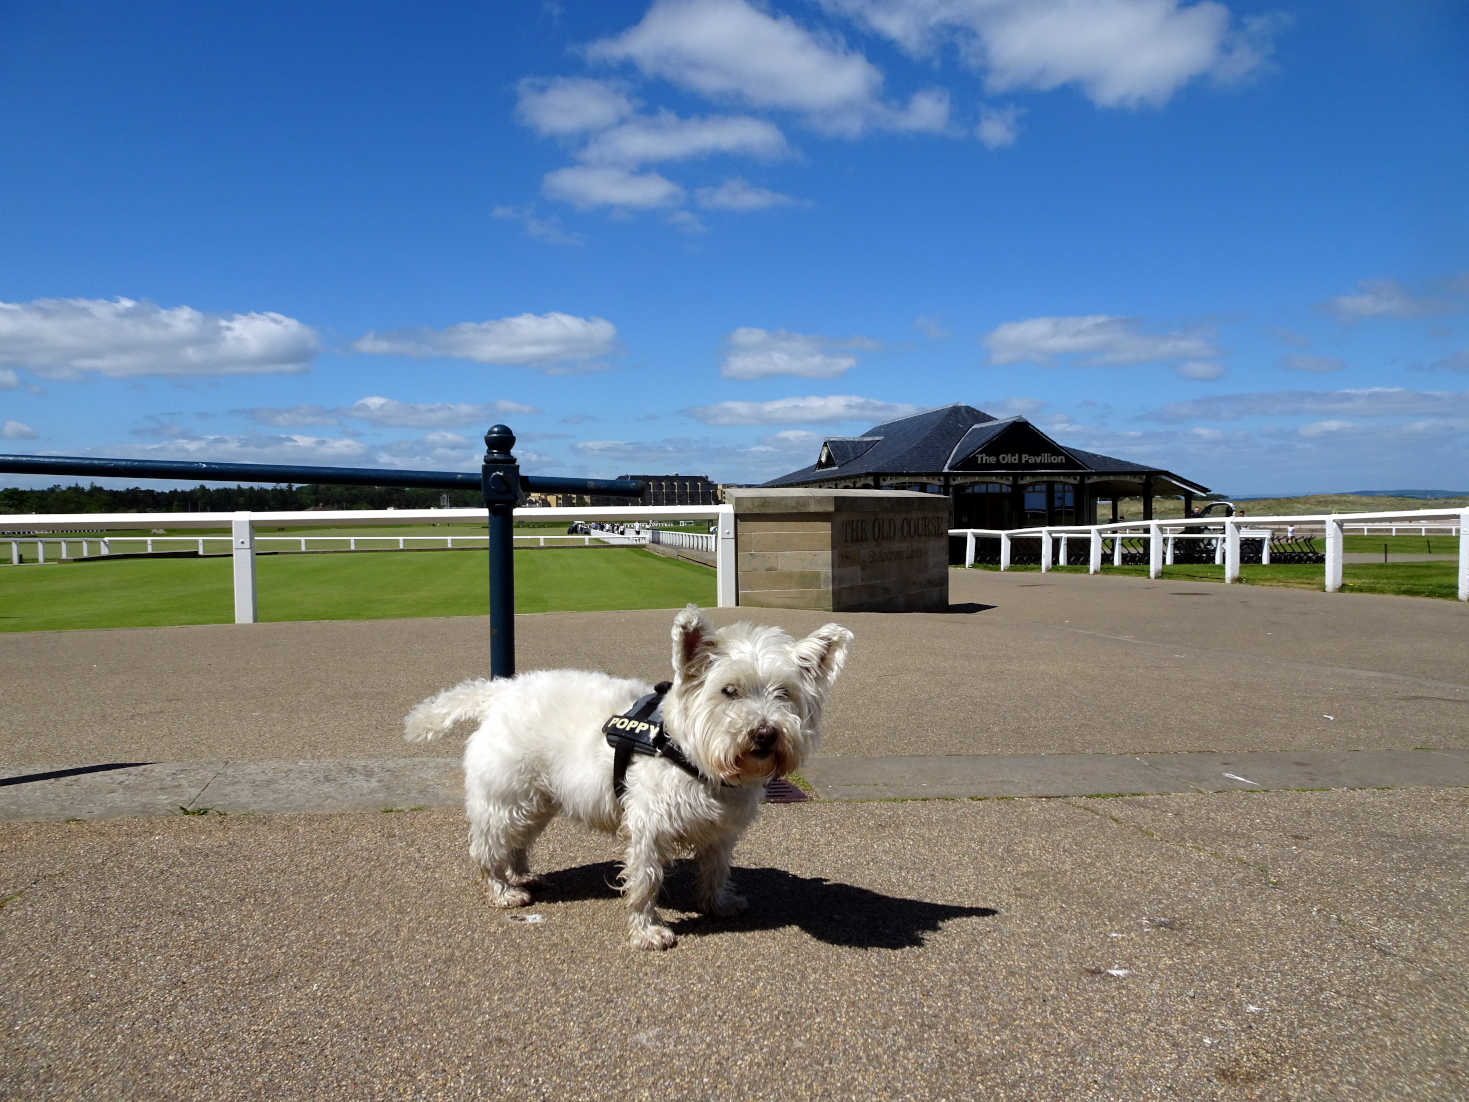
[(357, 586)]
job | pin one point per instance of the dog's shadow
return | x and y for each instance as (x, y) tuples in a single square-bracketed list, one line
[(838, 914)]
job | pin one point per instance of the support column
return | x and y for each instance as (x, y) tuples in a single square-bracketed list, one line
[(500, 488), (242, 533), (1333, 554)]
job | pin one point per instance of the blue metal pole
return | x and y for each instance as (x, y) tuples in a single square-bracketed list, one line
[(500, 484)]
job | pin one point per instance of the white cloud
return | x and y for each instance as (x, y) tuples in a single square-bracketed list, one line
[(1121, 53), (686, 221), (752, 353), (421, 415), (122, 338), (666, 137), (1097, 339), (543, 229), (1199, 369), (294, 416), (1454, 361), (1364, 402), (1387, 298), (564, 106), (536, 340), (727, 48), (9, 380), (1325, 428), (931, 327), (740, 195), (1013, 407), (999, 126), (732, 50), (293, 448), (797, 411), (609, 186), (17, 430)]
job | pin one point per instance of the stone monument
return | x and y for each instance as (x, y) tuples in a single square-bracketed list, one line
[(841, 550)]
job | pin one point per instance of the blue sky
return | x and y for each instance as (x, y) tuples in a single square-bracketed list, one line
[(1228, 239)]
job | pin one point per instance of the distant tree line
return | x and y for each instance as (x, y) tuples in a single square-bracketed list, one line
[(226, 499)]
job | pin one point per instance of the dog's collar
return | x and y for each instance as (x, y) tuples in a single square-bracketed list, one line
[(639, 730)]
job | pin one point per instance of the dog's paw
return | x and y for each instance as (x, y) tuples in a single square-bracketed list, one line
[(507, 896), (652, 937)]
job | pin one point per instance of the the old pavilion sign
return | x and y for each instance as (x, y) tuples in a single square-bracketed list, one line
[(1018, 448)]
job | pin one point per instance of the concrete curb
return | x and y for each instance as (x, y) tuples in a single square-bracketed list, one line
[(144, 789)]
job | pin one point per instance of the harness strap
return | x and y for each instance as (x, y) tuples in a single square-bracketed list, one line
[(639, 730)]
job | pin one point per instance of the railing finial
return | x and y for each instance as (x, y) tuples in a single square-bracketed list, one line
[(498, 442)]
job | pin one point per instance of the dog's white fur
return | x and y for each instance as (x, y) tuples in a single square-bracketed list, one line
[(745, 706)]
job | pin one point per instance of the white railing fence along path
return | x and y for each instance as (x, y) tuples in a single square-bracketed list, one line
[(243, 541), (1160, 535), (683, 541), (150, 545)]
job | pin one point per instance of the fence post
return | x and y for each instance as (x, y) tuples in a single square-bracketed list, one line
[(500, 487), (242, 532), (1045, 550), (1464, 555), (1094, 553), (968, 549), (726, 580), (1333, 554), (1231, 551), (1155, 551), (1116, 548), (1004, 550)]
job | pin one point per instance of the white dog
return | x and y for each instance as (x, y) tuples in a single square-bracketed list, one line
[(745, 705)]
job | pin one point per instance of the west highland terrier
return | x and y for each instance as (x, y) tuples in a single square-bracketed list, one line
[(744, 706)]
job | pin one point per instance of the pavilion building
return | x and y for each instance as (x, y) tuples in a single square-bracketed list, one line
[(999, 472)]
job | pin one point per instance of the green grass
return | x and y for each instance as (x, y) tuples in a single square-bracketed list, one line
[(362, 586), (1396, 545), (1405, 579)]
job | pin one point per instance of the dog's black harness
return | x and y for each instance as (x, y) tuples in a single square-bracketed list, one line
[(639, 730)]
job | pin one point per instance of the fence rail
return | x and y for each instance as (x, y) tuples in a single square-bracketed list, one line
[(244, 542), (1160, 534), (501, 484), (110, 545)]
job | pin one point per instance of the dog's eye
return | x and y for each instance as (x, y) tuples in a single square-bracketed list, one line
[(780, 692), (731, 691)]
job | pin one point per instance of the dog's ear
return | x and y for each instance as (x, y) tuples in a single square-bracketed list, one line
[(822, 654), (694, 644)]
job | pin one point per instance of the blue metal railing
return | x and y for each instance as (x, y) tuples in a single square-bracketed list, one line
[(500, 482)]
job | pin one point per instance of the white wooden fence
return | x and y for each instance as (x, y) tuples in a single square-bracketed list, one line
[(244, 542), (1228, 531), (684, 541)]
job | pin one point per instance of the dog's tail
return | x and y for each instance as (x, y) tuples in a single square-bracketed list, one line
[(467, 702)]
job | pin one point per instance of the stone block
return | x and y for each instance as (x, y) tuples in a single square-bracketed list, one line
[(841, 550)]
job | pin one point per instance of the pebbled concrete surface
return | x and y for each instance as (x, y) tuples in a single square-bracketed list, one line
[(1226, 943), (1285, 945)]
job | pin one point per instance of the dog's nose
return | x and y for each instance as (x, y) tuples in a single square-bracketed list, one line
[(764, 737)]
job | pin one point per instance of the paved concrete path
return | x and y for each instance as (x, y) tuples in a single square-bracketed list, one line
[(1282, 917), (122, 789)]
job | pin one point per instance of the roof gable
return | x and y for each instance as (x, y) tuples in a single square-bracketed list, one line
[(840, 450), (1012, 445)]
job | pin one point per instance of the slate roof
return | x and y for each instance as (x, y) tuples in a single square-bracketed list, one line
[(935, 442)]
